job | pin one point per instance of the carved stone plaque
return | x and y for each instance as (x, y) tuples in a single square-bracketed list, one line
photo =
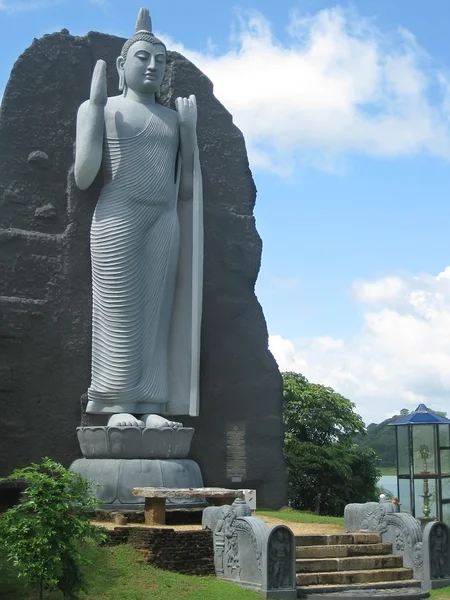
[(236, 459), (436, 555)]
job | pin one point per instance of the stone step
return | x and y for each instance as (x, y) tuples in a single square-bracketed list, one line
[(337, 539), (349, 563), (392, 589), (342, 550), (351, 577), (400, 594)]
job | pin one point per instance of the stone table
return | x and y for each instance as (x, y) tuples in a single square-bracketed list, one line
[(155, 499)]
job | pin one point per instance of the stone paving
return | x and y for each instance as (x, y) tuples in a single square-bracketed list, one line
[(390, 594)]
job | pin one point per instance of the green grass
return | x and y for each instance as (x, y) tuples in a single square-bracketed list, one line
[(442, 594), (388, 470), (296, 516), (116, 575)]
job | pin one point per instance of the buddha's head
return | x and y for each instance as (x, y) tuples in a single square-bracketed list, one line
[(142, 63)]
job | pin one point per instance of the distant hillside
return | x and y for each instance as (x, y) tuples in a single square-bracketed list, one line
[(381, 438)]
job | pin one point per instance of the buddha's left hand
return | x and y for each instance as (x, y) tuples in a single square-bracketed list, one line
[(187, 113)]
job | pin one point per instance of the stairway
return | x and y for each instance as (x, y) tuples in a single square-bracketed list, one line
[(350, 565)]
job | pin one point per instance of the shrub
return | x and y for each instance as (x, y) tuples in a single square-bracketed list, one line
[(43, 535)]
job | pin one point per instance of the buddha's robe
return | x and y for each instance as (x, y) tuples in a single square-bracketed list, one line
[(147, 256)]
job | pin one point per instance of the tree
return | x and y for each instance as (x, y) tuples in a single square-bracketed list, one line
[(326, 470), (381, 438), (43, 534), (317, 414)]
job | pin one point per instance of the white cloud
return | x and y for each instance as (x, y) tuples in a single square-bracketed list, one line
[(401, 356), (382, 290), (286, 354), (338, 85)]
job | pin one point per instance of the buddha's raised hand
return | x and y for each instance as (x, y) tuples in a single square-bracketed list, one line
[(99, 93), (187, 112)]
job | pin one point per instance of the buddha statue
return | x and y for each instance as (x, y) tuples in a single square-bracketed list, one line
[(146, 240)]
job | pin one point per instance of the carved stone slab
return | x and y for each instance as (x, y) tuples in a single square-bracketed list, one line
[(279, 564), (212, 514), (251, 555), (367, 516), (204, 492), (436, 556)]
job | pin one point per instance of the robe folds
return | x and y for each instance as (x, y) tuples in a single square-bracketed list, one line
[(147, 278)]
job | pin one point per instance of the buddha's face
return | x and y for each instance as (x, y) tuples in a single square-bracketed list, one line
[(144, 67)]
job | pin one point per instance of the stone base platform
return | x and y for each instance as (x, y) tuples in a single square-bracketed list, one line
[(135, 442), (116, 478)]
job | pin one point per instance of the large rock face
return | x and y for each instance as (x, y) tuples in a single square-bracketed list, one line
[(45, 282)]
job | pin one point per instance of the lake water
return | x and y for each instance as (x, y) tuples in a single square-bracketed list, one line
[(389, 482)]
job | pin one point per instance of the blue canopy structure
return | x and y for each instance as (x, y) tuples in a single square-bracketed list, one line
[(422, 415)]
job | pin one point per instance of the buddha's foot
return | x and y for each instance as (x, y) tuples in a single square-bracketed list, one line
[(124, 420), (152, 421)]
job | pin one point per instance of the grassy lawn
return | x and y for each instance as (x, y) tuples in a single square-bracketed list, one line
[(442, 594), (295, 516), (116, 575)]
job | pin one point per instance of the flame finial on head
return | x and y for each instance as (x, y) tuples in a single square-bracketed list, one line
[(143, 32), (144, 21)]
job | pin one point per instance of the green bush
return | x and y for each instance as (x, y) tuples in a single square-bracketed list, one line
[(43, 535)]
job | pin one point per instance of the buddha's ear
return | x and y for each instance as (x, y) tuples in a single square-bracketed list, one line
[(120, 63)]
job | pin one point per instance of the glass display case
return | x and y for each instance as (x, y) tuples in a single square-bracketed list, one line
[(423, 464)]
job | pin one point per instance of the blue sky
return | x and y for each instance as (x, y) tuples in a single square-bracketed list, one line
[(346, 113)]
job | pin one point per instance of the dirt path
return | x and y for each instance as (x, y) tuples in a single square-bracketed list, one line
[(109, 525), (297, 528), (305, 528)]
